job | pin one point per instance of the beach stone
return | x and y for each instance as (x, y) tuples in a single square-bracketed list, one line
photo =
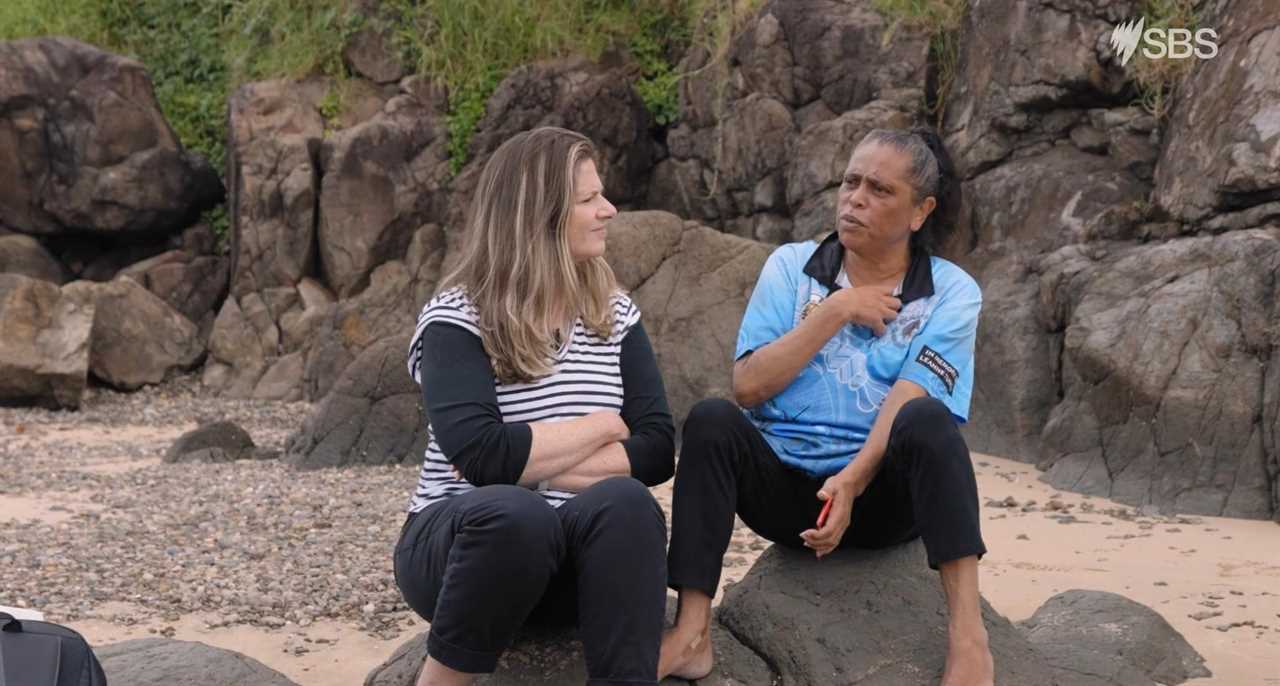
[(1095, 638), (865, 617), (216, 442), (164, 662)]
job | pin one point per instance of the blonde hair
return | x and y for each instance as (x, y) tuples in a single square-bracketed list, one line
[(516, 266)]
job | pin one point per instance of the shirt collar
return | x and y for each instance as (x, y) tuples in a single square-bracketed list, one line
[(826, 261)]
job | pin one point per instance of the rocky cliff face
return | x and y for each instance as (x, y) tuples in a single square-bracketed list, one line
[(1128, 264)]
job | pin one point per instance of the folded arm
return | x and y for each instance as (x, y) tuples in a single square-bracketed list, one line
[(461, 402), (648, 453)]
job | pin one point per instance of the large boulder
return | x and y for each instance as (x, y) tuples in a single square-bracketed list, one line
[(1051, 153), (164, 662), (1221, 159), (85, 148), (137, 338), (24, 255), (1163, 365), (387, 308), (553, 656), (860, 617), (1026, 74), (382, 180), (44, 343), (1012, 214), (372, 416), (1095, 638), (273, 182), (692, 284), (194, 285), (596, 100), (1016, 383), (755, 152), (244, 339)]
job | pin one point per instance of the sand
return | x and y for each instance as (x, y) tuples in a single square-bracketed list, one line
[(1185, 568)]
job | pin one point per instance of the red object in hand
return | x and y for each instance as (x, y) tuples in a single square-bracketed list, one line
[(826, 510)]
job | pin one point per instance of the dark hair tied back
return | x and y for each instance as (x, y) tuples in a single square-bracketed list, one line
[(941, 223)]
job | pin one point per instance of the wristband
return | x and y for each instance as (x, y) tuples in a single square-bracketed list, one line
[(542, 485)]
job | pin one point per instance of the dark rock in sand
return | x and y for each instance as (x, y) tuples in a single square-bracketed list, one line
[(166, 662)]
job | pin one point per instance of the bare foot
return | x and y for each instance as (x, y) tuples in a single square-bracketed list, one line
[(685, 655), (969, 663)]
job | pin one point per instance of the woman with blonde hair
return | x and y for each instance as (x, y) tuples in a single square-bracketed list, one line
[(547, 421)]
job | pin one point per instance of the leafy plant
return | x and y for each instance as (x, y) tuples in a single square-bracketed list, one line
[(1157, 79), (941, 20)]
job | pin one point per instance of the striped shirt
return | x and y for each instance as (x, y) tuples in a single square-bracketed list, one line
[(586, 377)]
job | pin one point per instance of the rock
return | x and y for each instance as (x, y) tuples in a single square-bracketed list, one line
[(1014, 383), (239, 349), (755, 148), (548, 655), (194, 286), (283, 381), (162, 662), (692, 304), (383, 179), (370, 54), (1025, 71), (221, 441), (1042, 202), (372, 416), (385, 309), (1095, 638), (44, 343), (273, 167), (1228, 173), (859, 617), (24, 255), (85, 148), (137, 338), (103, 261), (1162, 366), (639, 242), (595, 100)]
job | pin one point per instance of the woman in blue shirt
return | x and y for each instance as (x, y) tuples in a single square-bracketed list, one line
[(854, 364)]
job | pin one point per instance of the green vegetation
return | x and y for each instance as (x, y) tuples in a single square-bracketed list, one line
[(1158, 79), (198, 50), (940, 19), (471, 46)]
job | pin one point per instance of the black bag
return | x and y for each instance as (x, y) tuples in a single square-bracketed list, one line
[(43, 654)]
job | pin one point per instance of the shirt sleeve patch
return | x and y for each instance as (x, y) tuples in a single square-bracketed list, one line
[(931, 360)]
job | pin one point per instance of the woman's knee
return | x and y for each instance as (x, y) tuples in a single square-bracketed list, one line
[(710, 418), (628, 506), (923, 415), (927, 425), (514, 516)]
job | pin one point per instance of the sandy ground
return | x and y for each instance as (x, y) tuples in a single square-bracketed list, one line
[(1216, 580)]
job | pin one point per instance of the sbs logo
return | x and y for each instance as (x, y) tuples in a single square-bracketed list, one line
[(1158, 43)]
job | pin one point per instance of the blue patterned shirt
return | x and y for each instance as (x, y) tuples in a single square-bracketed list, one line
[(820, 421)]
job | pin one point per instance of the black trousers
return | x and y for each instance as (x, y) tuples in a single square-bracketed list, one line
[(925, 487), (481, 564)]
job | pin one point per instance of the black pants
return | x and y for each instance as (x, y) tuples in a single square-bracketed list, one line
[(925, 487), (480, 564)]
